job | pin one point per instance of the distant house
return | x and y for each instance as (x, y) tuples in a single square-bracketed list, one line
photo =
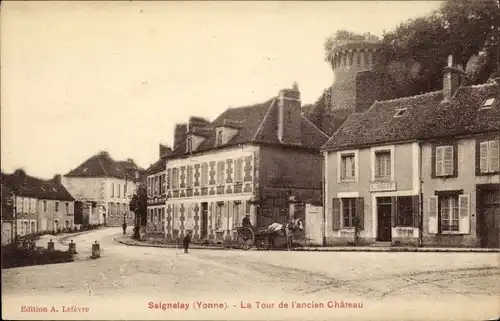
[(249, 160), (418, 170), (39, 205), (105, 186)]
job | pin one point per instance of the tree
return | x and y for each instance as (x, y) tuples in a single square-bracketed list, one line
[(138, 205), (417, 50)]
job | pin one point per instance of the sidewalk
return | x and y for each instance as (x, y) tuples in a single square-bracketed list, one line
[(127, 240)]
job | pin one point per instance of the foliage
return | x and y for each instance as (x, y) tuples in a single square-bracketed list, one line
[(138, 205)]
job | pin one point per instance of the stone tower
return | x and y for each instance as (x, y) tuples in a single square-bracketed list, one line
[(348, 58)]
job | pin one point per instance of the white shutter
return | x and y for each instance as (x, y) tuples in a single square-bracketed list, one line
[(448, 160), (433, 214), (494, 155), (439, 161), (464, 213), (483, 157), (19, 204)]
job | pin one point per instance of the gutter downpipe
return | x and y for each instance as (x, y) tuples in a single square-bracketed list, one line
[(421, 205), (325, 186)]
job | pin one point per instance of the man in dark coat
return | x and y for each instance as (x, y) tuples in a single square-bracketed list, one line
[(124, 226), (186, 241), (246, 221)]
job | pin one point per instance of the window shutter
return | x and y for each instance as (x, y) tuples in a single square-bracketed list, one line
[(416, 211), (433, 214), (394, 211), (448, 164), (388, 165), (360, 211), (353, 167), (336, 214), (494, 157), (464, 213), (483, 157), (439, 161), (433, 161)]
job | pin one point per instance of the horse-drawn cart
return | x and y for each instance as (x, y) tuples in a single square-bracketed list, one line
[(250, 236)]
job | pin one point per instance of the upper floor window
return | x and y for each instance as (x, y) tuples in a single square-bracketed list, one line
[(56, 207), (189, 144), (45, 206), (118, 190), (238, 170), (220, 172), (175, 178), (204, 174), (347, 167), (163, 183), (383, 165), (112, 189), (445, 160), (189, 178), (219, 136), (67, 207), (489, 157)]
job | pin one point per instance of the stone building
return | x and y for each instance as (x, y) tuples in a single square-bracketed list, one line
[(249, 160)]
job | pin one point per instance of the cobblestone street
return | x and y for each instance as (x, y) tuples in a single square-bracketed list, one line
[(395, 281)]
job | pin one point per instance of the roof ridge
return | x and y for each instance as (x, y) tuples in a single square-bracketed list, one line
[(261, 125), (430, 93), (341, 126)]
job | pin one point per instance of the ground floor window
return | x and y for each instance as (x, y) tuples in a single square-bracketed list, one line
[(348, 212), (450, 219), (218, 215), (406, 207)]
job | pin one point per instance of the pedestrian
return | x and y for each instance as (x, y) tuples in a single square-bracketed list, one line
[(124, 226), (186, 241)]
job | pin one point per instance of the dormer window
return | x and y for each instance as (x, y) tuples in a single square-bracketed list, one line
[(400, 112), (487, 103), (220, 133), (189, 144)]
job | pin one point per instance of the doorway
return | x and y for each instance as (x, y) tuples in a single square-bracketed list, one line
[(204, 220), (384, 226), (489, 215)]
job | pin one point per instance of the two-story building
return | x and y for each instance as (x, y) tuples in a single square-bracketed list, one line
[(460, 167), (106, 186), (250, 160), (40, 205), (412, 170), (156, 195)]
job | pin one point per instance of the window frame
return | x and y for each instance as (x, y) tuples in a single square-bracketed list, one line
[(442, 145), (56, 206), (220, 173), (340, 156), (204, 174), (490, 170), (238, 172), (452, 210), (219, 137), (351, 207)]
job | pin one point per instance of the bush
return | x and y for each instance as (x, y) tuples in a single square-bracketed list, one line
[(13, 257)]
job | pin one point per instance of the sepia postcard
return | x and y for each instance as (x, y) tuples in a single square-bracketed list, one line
[(233, 160)]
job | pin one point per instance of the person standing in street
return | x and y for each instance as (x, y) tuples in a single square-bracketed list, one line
[(186, 241), (124, 226)]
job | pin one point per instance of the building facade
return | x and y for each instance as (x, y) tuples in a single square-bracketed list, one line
[(419, 170), (156, 195), (105, 186), (250, 160), (37, 205)]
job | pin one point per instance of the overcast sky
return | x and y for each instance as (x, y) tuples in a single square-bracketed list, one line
[(78, 78)]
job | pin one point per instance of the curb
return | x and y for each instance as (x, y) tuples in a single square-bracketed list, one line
[(168, 246), (319, 249)]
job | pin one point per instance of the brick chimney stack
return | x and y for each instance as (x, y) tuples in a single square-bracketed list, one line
[(180, 134), (452, 79), (57, 178), (289, 116)]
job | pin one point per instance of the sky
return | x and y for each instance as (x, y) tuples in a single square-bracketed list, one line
[(81, 77)]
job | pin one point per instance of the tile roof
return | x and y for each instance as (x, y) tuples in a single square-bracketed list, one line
[(427, 116), (158, 166), (28, 186), (102, 165), (257, 124)]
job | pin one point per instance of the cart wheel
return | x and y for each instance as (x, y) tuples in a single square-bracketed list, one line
[(246, 238)]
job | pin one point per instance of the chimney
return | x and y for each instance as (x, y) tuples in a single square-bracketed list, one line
[(180, 134), (57, 178), (452, 79), (164, 150), (130, 160), (289, 116)]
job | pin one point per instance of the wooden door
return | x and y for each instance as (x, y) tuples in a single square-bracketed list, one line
[(489, 218), (384, 224), (204, 220)]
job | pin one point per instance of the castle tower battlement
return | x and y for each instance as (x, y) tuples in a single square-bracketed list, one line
[(348, 57)]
